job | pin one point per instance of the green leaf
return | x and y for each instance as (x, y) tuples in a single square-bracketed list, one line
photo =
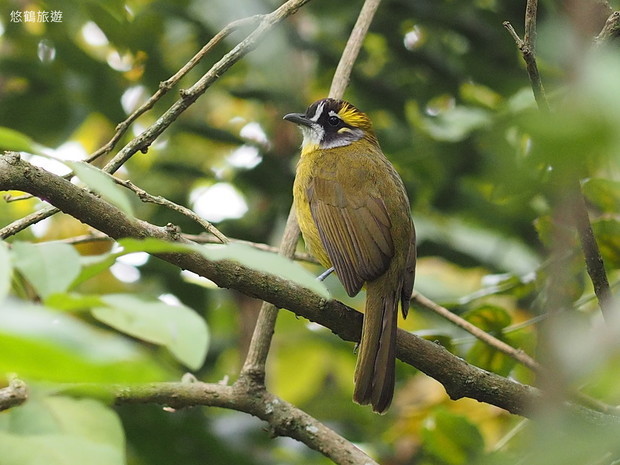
[(12, 140), (102, 183), (178, 328), (73, 302), (489, 318), (488, 358), (152, 245), (607, 232), (307, 382), (603, 193), (492, 319), (39, 343), (6, 271), (63, 431), (266, 262), (93, 265), (451, 439), (456, 124), (50, 267)]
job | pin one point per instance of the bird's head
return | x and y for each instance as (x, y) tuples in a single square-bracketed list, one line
[(329, 123)]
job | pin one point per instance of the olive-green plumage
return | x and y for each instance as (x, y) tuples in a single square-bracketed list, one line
[(354, 215)]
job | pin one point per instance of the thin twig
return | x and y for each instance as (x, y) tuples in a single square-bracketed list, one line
[(492, 341), (16, 393), (208, 239), (169, 83), (164, 87), (351, 50), (202, 238), (158, 200), (531, 66), (529, 37), (258, 351)]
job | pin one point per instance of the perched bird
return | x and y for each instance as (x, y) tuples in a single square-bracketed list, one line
[(354, 215)]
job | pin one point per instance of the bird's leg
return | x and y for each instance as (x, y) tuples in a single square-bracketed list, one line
[(325, 274)]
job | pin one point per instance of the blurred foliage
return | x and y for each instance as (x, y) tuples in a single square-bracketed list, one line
[(449, 96)]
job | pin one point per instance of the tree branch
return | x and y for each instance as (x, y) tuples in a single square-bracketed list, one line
[(485, 337), (458, 377), (283, 418), (352, 49), (611, 29), (581, 220), (16, 393), (169, 83), (499, 345), (528, 53), (254, 365), (158, 200)]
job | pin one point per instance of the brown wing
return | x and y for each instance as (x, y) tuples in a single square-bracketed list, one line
[(355, 231)]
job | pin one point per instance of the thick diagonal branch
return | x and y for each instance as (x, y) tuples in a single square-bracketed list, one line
[(458, 377)]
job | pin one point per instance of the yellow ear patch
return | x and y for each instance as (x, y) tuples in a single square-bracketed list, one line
[(353, 117)]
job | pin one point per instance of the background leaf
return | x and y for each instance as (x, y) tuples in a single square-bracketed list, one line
[(12, 140), (43, 344), (451, 439), (6, 270), (178, 328), (64, 431), (49, 267)]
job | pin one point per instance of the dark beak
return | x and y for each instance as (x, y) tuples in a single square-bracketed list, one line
[(298, 118)]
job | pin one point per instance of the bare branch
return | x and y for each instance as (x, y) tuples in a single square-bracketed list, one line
[(16, 393), (254, 365), (283, 418), (492, 341), (168, 84), (354, 44), (198, 238), (532, 67), (158, 200), (529, 38), (610, 31)]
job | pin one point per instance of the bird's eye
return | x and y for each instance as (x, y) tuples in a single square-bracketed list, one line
[(333, 121)]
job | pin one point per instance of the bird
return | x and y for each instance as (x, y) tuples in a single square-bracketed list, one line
[(354, 215)]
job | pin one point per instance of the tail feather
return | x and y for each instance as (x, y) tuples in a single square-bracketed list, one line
[(375, 368)]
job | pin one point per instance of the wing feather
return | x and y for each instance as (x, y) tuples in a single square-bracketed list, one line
[(354, 230)]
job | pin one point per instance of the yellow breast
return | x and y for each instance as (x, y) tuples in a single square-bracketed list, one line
[(310, 156)]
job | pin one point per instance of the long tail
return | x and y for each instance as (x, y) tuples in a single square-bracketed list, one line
[(374, 371)]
